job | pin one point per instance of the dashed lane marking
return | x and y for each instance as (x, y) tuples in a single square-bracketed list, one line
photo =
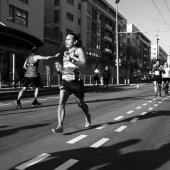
[(130, 112), (67, 164), (139, 107), (120, 128), (101, 127), (145, 104), (99, 143), (151, 108), (118, 118), (32, 161), (149, 101), (143, 113), (76, 139), (159, 102), (134, 120), (155, 105)]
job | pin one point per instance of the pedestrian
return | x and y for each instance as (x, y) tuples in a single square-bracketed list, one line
[(96, 78), (157, 71), (31, 75), (166, 78), (72, 83), (106, 76)]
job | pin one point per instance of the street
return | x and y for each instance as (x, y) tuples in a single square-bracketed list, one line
[(129, 131)]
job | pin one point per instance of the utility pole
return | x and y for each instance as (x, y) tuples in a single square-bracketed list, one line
[(157, 46), (117, 44)]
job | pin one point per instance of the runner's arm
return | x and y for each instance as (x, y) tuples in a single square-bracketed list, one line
[(39, 57)]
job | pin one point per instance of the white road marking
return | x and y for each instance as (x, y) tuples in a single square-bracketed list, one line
[(42, 99), (120, 128), (32, 161), (26, 102), (150, 102), (159, 102), (99, 143), (154, 99), (151, 108), (130, 112), (143, 113), (50, 97), (6, 104), (145, 104), (134, 120), (56, 97), (101, 127), (76, 139), (67, 164), (138, 107), (118, 118), (155, 105)]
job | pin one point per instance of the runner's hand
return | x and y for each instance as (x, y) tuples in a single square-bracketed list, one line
[(57, 54)]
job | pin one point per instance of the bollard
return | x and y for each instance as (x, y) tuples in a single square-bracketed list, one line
[(137, 87), (125, 81)]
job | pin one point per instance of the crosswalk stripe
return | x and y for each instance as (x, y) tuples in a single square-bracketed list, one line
[(118, 118), (120, 128), (150, 102), (99, 143), (138, 107), (67, 164), (76, 139), (143, 113), (151, 108), (134, 120), (155, 105), (159, 102), (145, 104), (32, 161), (130, 112)]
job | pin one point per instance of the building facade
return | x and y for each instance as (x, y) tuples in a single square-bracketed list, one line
[(21, 28)]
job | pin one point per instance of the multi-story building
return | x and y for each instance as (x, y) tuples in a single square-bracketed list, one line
[(157, 52), (94, 21), (21, 28), (138, 52)]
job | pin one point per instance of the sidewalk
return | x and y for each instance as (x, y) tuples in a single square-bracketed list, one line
[(12, 93)]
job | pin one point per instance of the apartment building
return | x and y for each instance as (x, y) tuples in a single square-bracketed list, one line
[(94, 21), (21, 28), (138, 52)]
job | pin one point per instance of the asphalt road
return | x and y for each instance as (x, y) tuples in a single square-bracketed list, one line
[(129, 131)]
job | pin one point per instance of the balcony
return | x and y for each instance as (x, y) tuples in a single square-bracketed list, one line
[(108, 26), (107, 38)]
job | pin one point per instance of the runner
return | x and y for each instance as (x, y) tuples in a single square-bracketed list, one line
[(73, 60), (166, 78), (96, 76), (31, 76), (157, 77)]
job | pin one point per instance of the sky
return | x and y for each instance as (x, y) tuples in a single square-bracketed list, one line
[(152, 16)]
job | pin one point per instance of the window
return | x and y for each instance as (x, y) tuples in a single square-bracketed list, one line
[(99, 17), (89, 26), (79, 21), (89, 11), (70, 2), (79, 6), (69, 16), (18, 16), (99, 30), (56, 2), (68, 31), (25, 1), (56, 16)]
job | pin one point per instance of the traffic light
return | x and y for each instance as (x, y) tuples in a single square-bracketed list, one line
[(117, 1)]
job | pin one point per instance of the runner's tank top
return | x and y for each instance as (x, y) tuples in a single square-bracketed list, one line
[(32, 67), (71, 71)]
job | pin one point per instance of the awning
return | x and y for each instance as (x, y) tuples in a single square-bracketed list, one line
[(13, 37)]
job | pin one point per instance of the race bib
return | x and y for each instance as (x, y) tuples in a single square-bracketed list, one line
[(68, 77), (157, 73)]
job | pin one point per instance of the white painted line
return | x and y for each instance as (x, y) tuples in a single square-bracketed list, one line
[(67, 164), (32, 161), (130, 112), (99, 143), (50, 97), (134, 120), (155, 105), (56, 97), (154, 99), (143, 113), (76, 139), (120, 128), (151, 108), (6, 104), (145, 104), (26, 102), (150, 102), (101, 127), (159, 102), (42, 99), (138, 107), (118, 118)]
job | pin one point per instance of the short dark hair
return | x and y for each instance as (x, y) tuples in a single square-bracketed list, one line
[(158, 60), (34, 49), (76, 38)]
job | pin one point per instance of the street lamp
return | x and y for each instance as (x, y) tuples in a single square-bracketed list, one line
[(157, 49), (117, 52)]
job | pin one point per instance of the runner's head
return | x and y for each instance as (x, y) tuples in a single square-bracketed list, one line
[(157, 62), (34, 50), (72, 40), (166, 65)]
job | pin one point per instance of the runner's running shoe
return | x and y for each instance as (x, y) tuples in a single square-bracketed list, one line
[(36, 103), (18, 104)]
